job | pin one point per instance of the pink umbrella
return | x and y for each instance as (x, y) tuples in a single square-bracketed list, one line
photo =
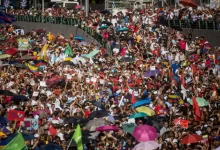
[(144, 133), (107, 128), (149, 145)]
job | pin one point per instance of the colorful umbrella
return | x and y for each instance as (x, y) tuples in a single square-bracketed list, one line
[(142, 102), (201, 101), (144, 133), (192, 138), (138, 115), (188, 3), (3, 56), (107, 128), (128, 128), (146, 110), (149, 145)]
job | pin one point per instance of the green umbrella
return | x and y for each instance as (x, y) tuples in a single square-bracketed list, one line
[(138, 115), (201, 101), (128, 128)]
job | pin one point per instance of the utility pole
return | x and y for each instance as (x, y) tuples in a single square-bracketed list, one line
[(87, 7)]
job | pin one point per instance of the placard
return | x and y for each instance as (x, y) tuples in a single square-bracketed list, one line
[(31, 124), (43, 83), (35, 93), (152, 68), (214, 3), (23, 44)]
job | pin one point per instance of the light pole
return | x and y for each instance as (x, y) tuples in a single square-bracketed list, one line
[(87, 7)]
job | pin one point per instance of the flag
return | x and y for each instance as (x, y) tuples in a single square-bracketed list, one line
[(196, 109), (68, 51), (77, 137), (183, 80), (6, 18), (133, 98), (17, 143), (43, 52), (16, 115), (31, 68), (50, 36)]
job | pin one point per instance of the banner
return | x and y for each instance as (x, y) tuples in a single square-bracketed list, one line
[(15, 115), (23, 44), (31, 123)]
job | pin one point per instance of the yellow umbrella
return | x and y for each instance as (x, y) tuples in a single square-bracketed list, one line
[(146, 110), (68, 59), (3, 56)]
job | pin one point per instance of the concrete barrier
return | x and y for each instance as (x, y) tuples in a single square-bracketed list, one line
[(55, 29)]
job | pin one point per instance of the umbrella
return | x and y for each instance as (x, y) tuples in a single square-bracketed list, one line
[(98, 114), (144, 133), (188, 3), (78, 38), (122, 29), (19, 98), (70, 63), (91, 54), (6, 93), (3, 120), (106, 23), (95, 103), (93, 124), (75, 120), (103, 27), (150, 73), (149, 145), (138, 115), (11, 51), (3, 56), (14, 62), (128, 128), (28, 57), (127, 59), (192, 138), (201, 101), (105, 11), (54, 80), (107, 128), (94, 135), (51, 146), (145, 110), (142, 102), (18, 65)]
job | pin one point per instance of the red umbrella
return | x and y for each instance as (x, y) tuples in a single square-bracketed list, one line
[(188, 3), (11, 51), (192, 138)]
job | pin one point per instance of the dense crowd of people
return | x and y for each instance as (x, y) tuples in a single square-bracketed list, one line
[(151, 88)]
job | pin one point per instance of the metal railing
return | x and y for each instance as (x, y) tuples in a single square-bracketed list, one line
[(65, 21), (205, 25)]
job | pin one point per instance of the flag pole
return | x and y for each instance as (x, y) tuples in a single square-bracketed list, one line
[(69, 144)]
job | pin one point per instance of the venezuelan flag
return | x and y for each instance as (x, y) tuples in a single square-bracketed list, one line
[(31, 68)]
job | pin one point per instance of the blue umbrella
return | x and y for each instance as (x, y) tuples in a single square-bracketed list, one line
[(19, 98), (122, 29), (150, 73), (51, 146), (3, 119), (141, 102), (78, 38), (103, 27)]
